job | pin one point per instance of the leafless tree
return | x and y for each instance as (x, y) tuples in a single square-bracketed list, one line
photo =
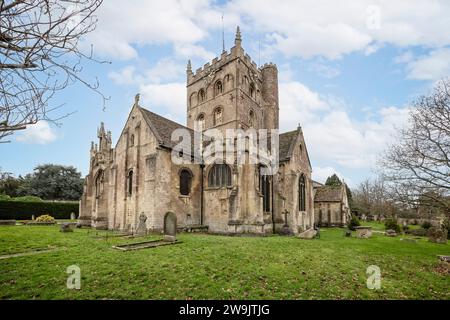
[(417, 166), (372, 197), (40, 55)]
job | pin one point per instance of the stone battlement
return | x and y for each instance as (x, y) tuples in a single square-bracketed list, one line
[(268, 65), (218, 62)]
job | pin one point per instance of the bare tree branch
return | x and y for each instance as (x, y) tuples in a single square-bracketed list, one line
[(417, 167), (40, 55)]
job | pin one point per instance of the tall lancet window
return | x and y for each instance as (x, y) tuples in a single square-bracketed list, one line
[(301, 194), (130, 182), (185, 182), (265, 187), (99, 184)]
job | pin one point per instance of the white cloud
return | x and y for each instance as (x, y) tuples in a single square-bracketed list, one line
[(125, 76), (302, 28), (324, 70), (164, 70), (307, 28), (320, 174), (169, 96), (433, 66), (123, 27), (331, 134), (39, 133)]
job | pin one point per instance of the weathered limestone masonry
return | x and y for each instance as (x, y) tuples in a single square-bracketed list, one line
[(138, 176), (331, 206)]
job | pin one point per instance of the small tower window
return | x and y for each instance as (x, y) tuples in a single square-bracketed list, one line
[(218, 116), (245, 81), (252, 90), (201, 95), (132, 140), (192, 99), (218, 88), (185, 182), (251, 118), (200, 123), (130, 182)]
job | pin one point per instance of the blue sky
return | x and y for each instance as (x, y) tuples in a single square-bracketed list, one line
[(346, 74)]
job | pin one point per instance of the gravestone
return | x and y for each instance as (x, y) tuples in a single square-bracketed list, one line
[(391, 233), (32, 217), (308, 234), (66, 227), (7, 222), (437, 235), (170, 227), (363, 232), (73, 216), (142, 227), (348, 233), (286, 230)]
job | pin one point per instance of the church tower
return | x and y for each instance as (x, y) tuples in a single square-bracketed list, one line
[(231, 92)]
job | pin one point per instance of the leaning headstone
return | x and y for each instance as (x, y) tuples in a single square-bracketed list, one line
[(348, 233), (437, 235), (73, 216), (170, 227), (363, 232), (142, 227), (391, 233), (66, 227), (308, 234)]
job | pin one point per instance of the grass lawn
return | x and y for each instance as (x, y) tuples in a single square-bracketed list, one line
[(217, 267)]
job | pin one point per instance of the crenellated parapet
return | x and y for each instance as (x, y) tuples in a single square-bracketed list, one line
[(218, 62), (268, 65)]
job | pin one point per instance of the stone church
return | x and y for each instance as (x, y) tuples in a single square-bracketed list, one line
[(137, 180)]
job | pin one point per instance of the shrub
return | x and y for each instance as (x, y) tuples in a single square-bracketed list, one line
[(45, 218), (28, 199), (4, 197), (391, 224), (354, 222), (426, 225), (23, 210)]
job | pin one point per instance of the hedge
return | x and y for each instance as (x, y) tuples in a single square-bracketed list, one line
[(23, 210)]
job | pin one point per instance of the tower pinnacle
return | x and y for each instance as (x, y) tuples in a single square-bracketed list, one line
[(238, 39), (189, 67)]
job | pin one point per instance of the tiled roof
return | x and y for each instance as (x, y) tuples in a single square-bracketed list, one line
[(163, 128), (328, 194), (286, 141), (317, 184)]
